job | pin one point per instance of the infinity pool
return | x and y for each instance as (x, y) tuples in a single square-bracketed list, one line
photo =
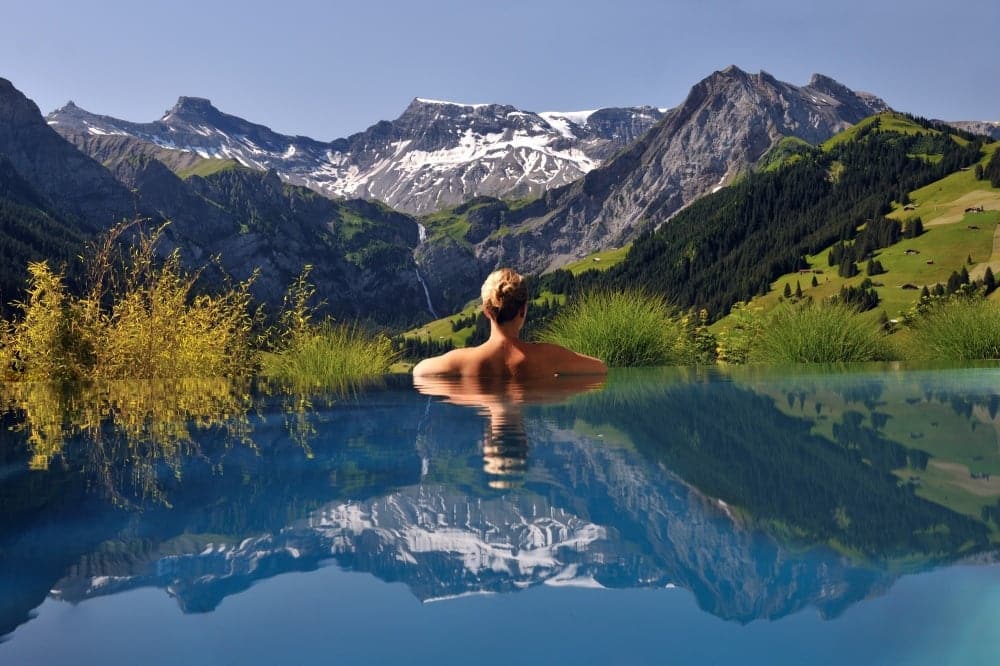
[(798, 516)]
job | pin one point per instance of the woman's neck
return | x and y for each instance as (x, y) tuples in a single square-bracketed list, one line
[(506, 332)]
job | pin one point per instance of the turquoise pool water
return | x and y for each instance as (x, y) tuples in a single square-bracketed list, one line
[(667, 516)]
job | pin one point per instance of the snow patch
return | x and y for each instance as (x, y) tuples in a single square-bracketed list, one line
[(575, 117), (446, 103), (449, 597), (719, 186)]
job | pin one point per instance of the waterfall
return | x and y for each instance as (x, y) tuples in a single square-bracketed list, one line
[(427, 293), (422, 235)]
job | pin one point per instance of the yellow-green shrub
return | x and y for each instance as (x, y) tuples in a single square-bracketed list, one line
[(138, 319)]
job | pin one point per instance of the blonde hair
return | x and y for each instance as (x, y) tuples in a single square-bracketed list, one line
[(504, 294)]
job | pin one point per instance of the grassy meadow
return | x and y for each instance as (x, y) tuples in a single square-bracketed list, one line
[(208, 166), (599, 261)]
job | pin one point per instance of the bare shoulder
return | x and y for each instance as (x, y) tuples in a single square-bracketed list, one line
[(567, 361), (449, 363)]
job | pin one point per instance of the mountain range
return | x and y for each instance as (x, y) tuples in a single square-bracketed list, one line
[(492, 184), (436, 154)]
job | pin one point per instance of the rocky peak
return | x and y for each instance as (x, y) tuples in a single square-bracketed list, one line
[(192, 107), (14, 106), (826, 84), (990, 128), (421, 104), (73, 184), (452, 115)]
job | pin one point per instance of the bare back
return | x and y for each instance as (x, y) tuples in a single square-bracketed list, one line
[(506, 357)]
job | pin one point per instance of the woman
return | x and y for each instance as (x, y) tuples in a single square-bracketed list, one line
[(505, 304)]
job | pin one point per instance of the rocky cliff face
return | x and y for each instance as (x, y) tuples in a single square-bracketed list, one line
[(984, 127), (71, 184), (435, 154)]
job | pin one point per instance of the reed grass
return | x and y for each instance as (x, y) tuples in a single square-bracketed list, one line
[(623, 328), (329, 356), (961, 329), (819, 333)]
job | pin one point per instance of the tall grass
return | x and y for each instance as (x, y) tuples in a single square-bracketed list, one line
[(626, 328), (137, 319), (819, 333), (329, 356), (958, 329)]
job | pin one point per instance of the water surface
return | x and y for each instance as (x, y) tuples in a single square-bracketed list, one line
[(667, 516)]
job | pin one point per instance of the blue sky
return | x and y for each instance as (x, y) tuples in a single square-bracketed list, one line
[(327, 69)]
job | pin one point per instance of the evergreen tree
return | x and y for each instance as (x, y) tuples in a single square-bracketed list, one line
[(788, 290), (798, 289), (847, 268), (815, 282), (913, 227)]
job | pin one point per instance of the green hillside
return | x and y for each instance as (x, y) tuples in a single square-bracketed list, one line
[(598, 261), (204, 167), (479, 219), (788, 150), (31, 231), (951, 237)]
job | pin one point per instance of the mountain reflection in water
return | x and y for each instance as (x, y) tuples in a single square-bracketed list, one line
[(762, 493)]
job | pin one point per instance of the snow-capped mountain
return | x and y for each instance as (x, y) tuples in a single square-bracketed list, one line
[(436, 154)]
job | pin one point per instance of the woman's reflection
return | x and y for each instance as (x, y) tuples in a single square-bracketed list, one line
[(501, 402)]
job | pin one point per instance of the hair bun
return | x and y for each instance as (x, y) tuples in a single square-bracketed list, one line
[(504, 294)]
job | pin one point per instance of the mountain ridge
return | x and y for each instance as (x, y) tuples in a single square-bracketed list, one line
[(434, 154)]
